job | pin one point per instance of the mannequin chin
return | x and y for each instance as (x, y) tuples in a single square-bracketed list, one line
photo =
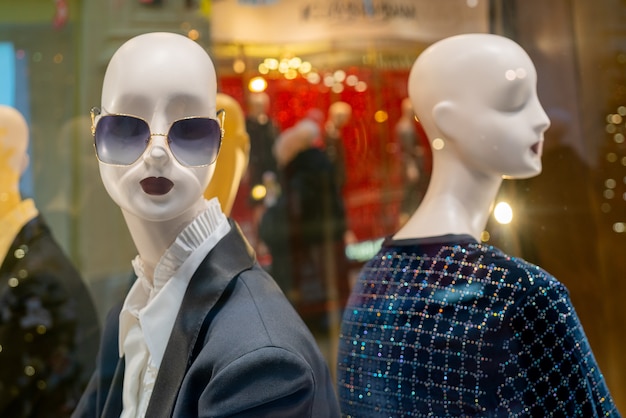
[(141, 190)]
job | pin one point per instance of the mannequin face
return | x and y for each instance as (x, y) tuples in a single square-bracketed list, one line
[(160, 78), (488, 110)]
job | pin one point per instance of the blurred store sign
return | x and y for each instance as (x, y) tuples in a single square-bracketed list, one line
[(366, 21)]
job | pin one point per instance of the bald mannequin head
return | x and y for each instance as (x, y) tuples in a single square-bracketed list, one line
[(475, 95), (13, 148), (161, 78)]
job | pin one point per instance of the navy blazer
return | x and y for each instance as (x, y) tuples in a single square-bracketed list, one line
[(237, 348)]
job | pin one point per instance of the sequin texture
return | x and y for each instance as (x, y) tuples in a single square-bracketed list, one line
[(450, 327)]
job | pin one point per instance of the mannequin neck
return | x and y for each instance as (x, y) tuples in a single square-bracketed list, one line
[(9, 200), (458, 201), (153, 238)]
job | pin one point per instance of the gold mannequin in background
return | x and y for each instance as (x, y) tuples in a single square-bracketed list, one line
[(232, 160)]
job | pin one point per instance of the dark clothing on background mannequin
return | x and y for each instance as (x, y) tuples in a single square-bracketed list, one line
[(336, 152), (262, 138), (304, 231), (48, 328), (445, 326), (237, 349)]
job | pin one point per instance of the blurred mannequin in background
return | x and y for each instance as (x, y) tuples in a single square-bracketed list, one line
[(48, 325), (439, 324), (262, 169), (339, 114), (263, 133), (204, 331), (232, 161), (412, 154)]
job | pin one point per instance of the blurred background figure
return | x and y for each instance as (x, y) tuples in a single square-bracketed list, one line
[(262, 132), (412, 152), (49, 330), (339, 114), (304, 232)]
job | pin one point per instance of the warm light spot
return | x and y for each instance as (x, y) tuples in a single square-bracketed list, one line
[(510, 75), (616, 119), (291, 74), (329, 80), (352, 80), (271, 63), (618, 138), (239, 66), (472, 3), (29, 370), (361, 86), (13, 282), (622, 110), (611, 157), (305, 67), (337, 88), (520, 73), (438, 144), (295, 62), (263, 68), (339, 76), (257, 84), (58, 58), (380, 116), (313, 78), (503, 213), (193, 34), (258, 192), (610, 183), (619, 227)]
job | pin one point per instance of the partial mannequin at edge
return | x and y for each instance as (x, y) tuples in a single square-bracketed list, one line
[(339, 114), (439, 324), (48, 325), (204, 331)]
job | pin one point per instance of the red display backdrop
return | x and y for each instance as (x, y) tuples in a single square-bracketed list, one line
[(373, 189)]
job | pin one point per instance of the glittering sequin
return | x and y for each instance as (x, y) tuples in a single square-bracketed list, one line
[(457, 328)]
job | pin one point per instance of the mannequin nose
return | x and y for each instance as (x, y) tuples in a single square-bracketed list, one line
[(157, 150)]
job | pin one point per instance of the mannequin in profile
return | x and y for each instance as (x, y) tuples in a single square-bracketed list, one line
[(439, 324), (48, 325), (204, 330), (232, 160)]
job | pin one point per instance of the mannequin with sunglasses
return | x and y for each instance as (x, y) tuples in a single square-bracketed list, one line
[(204, 331), (438, 323), (48, 325)]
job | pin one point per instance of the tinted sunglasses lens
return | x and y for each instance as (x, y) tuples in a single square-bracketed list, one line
[(121, 139), (195, 141)]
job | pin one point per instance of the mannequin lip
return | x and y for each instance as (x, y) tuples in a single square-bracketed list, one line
[(536, 147), (156, 186)]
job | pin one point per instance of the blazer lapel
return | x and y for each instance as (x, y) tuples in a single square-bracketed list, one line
[(113, 406), (231, 256)]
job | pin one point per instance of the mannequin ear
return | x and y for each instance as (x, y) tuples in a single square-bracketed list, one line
[(446, 118), (25, 162)]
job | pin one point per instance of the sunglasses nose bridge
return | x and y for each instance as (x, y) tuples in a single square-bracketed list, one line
[(158, 148)]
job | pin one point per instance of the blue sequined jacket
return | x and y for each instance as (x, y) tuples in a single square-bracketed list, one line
[(446, 326)]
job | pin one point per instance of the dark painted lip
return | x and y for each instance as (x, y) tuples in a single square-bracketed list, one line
[(156, 186)]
